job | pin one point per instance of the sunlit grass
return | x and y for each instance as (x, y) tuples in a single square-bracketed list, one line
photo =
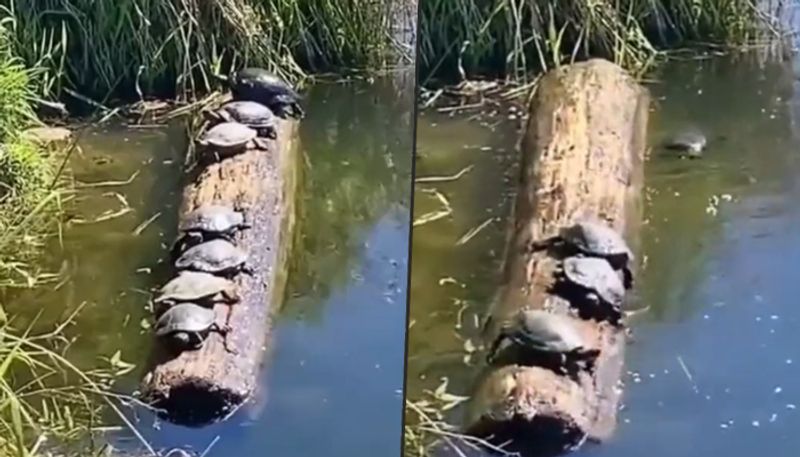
[(165, 48), (513, 38)]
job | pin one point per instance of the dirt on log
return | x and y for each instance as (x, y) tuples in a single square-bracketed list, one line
[(197, 387), (582, 154)]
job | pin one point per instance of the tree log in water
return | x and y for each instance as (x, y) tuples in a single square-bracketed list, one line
[(582, 156), (198, 387)]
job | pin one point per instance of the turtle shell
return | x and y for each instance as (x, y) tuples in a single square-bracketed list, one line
[(546, 331), (249, 113), (193, 285), (258, 81), (186, 317), (689, 140), (596, 275), (228, 135), (597, 239), (212, 218), (213, 256)]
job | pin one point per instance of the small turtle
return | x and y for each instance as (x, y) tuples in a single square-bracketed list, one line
[(251, 114), (690, 142), (188, 324), (545, 332), (595, 239), (259, 85), (230, 138), (596, 282), (217, 256), (209, 222), (198, 287)]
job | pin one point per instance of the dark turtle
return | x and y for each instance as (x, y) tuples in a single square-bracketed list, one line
[(188, 325), (229, 138), (197, 287), (251, 114), (690, 142), (217, 256), (209, 222), (259, 85), (595, 239), (545, 332), (594, 281)]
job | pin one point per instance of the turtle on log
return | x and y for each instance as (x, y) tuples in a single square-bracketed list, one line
[(208, 222), (594, 239), (590, 282), (218, 257), (188, 325), (197, 287), (543, 332), (259, 85)]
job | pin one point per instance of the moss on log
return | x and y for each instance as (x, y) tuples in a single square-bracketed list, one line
[(198, 387), (582, 155)]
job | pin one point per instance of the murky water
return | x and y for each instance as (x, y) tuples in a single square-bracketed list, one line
[(332, 384), (721, 259)]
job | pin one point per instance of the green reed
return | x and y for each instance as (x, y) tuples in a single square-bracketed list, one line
[(513, 38), (175, 48)]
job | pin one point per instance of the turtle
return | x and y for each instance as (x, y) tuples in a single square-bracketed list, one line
[(209, 222), (595, 281), (545, 332), (188, 324), (229, 138), (690, 142), (197, 287), (259, 85), (249, 113), (594, 238), (219, 257)]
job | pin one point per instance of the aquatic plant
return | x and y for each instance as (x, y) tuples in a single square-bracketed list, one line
[(512, 38), (166, 48)]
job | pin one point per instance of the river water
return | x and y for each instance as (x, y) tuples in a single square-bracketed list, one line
[(333, 381), (712, 363)]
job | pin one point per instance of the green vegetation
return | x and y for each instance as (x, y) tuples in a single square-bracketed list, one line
[(165, 48), (512, 38)]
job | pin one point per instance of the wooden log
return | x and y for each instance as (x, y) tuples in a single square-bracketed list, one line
[(582, 155), (195, 388)]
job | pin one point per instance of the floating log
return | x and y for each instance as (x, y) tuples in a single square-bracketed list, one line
[(582, 156), (196, 387)]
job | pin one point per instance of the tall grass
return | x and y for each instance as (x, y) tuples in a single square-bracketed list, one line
[(512, 38), (174, 47)]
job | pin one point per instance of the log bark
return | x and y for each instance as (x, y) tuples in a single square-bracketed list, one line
[(582, 155), (195, 388)]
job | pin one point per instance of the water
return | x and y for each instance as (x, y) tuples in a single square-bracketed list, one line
[(332, 382), (721, 256)]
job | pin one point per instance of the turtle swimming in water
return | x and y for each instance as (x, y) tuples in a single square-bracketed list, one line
[(690, 143), (227, 139), (259, 85), (209, 222), (188, 325), (592, 280), (548, 333), (595, 239), (249, 113), (218, 257), (197, 287)]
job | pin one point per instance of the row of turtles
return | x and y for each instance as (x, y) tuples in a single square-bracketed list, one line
[(205, 255), (595, 255)]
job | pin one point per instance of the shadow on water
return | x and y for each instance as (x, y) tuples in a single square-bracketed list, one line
[(334, 379), (711, 363)]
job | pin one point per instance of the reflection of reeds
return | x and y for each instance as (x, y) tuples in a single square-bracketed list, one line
[(176, 48), (515, 37)]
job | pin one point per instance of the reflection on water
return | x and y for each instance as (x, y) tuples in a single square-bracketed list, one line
[(332, 383), (712, 363)]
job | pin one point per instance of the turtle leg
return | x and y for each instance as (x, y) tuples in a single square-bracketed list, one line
[(261, 143), (223, 330), (540, 245), (271, 133), (182, 338), (492, 353), (627, 278), (248, 270), (298, 111), (230, 295)]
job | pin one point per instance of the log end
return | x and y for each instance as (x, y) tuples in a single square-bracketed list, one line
[(537, 410)]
